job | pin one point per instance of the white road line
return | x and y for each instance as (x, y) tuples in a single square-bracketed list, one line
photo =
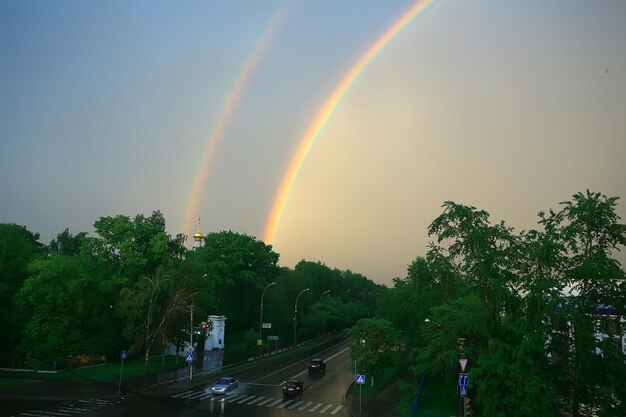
[(246, 399), (325, 408), (57, 413), (295, 405), (69, 410), (305, 406), (32, 415), (265, 402), (182, 394), (255, 400), (315, 407), (205, 396), (283, 405), (272, 404), (339, 407), (235, 398), (196, 395)]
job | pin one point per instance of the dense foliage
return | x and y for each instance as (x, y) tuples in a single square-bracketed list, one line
[(132, 287), (539, 314)]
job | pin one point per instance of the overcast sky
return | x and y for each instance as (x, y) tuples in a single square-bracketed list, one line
[(107, 107)]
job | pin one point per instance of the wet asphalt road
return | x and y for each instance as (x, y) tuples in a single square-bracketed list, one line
[(259, 393)]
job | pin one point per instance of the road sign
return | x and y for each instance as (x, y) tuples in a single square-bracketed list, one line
[(463, 364), (123, 354), (272, 337), (189, 357), (189, 349), (360, 379), (259, 342), (463, 391), (266, 325), (463, 379)]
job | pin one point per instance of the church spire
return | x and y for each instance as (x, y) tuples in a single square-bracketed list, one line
[(198, 237)]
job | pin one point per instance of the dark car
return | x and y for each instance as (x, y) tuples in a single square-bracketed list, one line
[(317, 366), (293, 387)]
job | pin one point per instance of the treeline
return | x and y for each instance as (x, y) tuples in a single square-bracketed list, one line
[(132, 286), (538, 314)]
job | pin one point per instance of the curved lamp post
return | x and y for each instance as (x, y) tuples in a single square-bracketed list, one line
[(295, 317), (261, 316), (323, 294)]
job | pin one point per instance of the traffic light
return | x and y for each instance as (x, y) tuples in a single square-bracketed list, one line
[(467, 407)]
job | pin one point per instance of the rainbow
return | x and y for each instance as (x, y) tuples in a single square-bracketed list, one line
[(320, 121), (225, 115)]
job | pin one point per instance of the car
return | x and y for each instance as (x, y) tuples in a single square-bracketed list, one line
[(225, 384), (317, 366), (293, 387)]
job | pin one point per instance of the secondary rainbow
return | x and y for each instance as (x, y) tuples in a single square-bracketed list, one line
[(312, 134), (224, 117)]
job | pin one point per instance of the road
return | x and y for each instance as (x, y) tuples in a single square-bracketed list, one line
[(259, 393)]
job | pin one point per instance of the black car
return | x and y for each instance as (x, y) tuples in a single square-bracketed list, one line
[(317, 366), (293, 387)]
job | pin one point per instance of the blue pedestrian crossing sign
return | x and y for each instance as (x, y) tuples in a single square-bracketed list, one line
[(123, 355), (463, 379), (463, 392), (360, 379), (189, 357)]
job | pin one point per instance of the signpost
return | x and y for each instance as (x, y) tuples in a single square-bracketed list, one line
[(119, 387), (274, 338), (266, 325), (360, 380)]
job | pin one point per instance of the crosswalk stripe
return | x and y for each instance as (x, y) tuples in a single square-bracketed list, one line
[(32, 415), (273, 403), (315, 407), (256, 400), (57, 413), (295, 405), (196, 395), (305, 406), (283, 405), (204, 396), (265, 402), (326, 408), (69, 410), (246, 399), (339, 407), (181, 394), (235, 398)]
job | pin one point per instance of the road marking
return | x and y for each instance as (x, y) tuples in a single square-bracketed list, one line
[(285, 404), (318, 405), (196, 395), (291, 407), (235, 398), (256, 400), (182, 394), (69, 410), (326, 408), (265, 402), (205, 396), (274, 403), (57, 413), (327, 359), (246, 399), (305, 406), (339, 407)]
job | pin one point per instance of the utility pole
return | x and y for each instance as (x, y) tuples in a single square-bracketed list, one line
[(191, 342)]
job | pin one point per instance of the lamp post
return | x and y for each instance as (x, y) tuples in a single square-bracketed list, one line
[(295, 317), (461, 344), (323, 294), (261, 317)]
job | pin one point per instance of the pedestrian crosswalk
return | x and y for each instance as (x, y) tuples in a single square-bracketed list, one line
[(68, 408), (262, 401)]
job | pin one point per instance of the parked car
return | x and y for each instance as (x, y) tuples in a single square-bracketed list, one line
[(317, 366), (225, 384), (293, 387)]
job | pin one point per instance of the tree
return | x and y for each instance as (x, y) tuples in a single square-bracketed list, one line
[(18, 247), (374, 340), (150, 305)]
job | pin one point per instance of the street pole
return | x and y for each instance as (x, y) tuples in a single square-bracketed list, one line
[(461, 342), (295, 318), (261, 320), (191, 342), (119, 387)]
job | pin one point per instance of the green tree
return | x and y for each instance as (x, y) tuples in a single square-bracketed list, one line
[(373, 341), (18, 247)]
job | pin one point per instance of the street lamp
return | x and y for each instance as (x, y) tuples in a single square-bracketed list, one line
[(323, 294), (295, 317), (261, 316)]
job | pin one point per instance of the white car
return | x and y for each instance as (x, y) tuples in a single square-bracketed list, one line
[(225, 384)]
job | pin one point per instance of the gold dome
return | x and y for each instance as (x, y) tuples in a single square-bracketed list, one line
[(198, 235)]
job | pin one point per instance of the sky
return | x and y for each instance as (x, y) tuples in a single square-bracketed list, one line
[(199, 109)]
